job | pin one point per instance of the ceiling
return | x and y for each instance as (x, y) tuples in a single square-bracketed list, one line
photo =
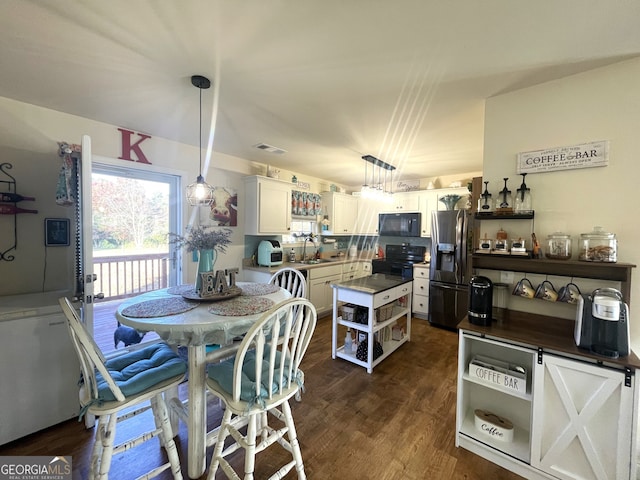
[(328, 81)]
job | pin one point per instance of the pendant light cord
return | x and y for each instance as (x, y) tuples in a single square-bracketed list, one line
[(200, 131)]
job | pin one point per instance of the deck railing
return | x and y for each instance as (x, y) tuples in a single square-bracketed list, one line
[(126, 275)]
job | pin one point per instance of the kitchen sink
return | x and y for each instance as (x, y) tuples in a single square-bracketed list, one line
[(315, 262)]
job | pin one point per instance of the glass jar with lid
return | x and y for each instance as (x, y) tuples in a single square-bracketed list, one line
[(523, 197), (558, 246), (598, 246)]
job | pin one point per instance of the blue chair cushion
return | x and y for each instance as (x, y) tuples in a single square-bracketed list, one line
[(223, 374), (137, 371)]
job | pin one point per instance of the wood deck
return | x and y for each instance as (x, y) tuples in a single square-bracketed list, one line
[(105, 323)]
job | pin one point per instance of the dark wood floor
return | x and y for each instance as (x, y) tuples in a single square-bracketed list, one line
[(397, 423)]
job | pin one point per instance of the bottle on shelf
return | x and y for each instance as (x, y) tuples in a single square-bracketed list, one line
[(12, 210), (13, 197), (347, 342)]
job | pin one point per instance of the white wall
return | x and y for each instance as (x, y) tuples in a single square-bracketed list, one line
[(28, 140), (602, 104)]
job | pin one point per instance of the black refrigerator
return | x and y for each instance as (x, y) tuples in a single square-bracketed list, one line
[(449, 270)]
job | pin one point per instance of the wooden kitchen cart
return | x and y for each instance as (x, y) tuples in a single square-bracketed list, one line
[(576, 416), (372, 292)]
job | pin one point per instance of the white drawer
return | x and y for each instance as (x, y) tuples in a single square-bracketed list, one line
[(320, 272), (350, 267), (420, 270), (392, 294), (421, 286), (420, 304)]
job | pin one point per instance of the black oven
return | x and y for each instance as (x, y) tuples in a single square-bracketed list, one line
[(399, 260)]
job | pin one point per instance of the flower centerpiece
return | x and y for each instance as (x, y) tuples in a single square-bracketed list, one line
[(208, 241), (203, 238)]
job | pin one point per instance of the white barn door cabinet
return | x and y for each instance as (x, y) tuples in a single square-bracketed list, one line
[(573, 415), (581, 427)]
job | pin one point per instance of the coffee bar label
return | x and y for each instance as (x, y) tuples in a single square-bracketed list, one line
[(586, 155), (497, 373)]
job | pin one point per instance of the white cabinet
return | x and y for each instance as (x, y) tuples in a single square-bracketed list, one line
[(421, 201), (342, 210), (477, 394), (404, 202), (368, 210), (366, 269), (428, 203), (421, 290), (267, 206), (319, 281), (580, 423), (573, 419)]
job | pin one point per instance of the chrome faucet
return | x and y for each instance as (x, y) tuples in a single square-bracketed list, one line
[(304, 245)]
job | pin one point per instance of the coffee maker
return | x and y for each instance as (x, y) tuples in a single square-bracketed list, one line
[(480, 301), (602, 323)]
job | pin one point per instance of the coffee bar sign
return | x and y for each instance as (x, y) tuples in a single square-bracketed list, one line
[(586, 155)]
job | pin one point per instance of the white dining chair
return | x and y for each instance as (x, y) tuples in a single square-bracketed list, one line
[(295, 282), (292, 280), (259, 381), (138, 378)]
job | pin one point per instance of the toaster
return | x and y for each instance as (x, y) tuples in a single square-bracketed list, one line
[(269, 253)]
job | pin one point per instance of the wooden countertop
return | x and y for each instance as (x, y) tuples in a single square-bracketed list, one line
[(549, 333)]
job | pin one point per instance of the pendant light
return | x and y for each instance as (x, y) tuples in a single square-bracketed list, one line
[(378, 191), (200, 193)]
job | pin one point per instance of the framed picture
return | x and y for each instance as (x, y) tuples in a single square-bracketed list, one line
[(56, 232)]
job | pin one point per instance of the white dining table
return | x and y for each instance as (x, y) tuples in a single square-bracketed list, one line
[(163, 311)]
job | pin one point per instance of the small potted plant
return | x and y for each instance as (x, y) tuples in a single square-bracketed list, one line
[(208, 241)]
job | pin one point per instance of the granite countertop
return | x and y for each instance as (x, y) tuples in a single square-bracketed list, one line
[(324, 262), (376, 283)]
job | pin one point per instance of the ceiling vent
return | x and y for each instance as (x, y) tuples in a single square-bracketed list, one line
[(270, 148)]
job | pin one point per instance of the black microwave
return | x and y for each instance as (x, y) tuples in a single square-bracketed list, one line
[(399, 224)]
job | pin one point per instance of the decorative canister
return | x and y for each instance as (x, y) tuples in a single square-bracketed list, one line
[(598, 246), (485, 244), (492, 425), (501, 245), (558, 246)]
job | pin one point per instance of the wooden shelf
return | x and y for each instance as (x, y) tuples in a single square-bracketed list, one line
[(616, 272), (504, 216)]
